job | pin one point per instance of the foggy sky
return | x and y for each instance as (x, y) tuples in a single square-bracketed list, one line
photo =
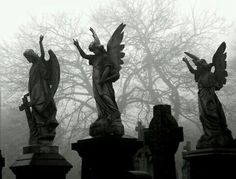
[(14, 13)]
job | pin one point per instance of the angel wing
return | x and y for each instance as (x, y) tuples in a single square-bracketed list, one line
[(54, 72), (114, 50), (219, 62)]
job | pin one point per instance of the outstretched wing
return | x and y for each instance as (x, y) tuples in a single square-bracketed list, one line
[(219, 61), (114, 50), (54, 72)]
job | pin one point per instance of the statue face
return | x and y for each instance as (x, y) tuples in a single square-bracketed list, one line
[(203, 65), (30, 55)]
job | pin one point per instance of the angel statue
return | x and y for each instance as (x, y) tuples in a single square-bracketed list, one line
[(212, 117), (44, 77), (106, 66)]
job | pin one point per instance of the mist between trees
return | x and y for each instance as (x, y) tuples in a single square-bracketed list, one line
[(153, 72)]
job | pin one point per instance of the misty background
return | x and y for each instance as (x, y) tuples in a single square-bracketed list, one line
[(156, 35)]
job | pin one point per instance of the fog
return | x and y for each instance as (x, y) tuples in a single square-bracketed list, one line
[(156, 35)]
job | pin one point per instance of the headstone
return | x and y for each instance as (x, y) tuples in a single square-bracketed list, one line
[(41, 162), (186, 164), (140, 129), (163, 140), (143, 157)]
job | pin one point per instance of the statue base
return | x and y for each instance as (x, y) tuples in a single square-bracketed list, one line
[(224, 140), (212, 163), (108, 157), (41, 162), (103, 128), (2, 163)]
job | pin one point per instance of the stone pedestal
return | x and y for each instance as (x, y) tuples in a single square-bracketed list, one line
[(107, 157), (2, 163), (39, 162), (212, 163)]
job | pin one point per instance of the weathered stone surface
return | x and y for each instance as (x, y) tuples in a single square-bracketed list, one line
[(211, 113), (40, 149), (44, 77), (106, 66)]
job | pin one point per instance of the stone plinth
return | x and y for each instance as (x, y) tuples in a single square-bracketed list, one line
[(215, 163), (107, 157), (39, 162), (2, 163)]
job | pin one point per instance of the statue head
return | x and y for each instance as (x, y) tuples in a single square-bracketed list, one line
[(96, 47), (30, 55), (203, 65)]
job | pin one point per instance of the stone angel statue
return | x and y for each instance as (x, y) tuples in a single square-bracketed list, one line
[(212, 117), (44, 77), (106, 67)]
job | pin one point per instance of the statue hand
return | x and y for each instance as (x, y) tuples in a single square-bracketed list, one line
[(185, 59), (41, 38), (76, 43)]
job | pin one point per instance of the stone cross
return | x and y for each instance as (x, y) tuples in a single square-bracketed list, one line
[(163, 139)]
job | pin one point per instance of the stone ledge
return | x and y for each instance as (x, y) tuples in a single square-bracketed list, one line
[(40, 149), (209, 152)]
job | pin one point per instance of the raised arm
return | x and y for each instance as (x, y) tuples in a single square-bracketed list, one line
[(82, 53), (41, 46), (191, 69)]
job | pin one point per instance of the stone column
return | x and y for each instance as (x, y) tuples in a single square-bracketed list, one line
[(41, 162)]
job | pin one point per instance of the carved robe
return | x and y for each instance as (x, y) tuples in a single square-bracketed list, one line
[(43, 105), (211, 113), (103, 93)]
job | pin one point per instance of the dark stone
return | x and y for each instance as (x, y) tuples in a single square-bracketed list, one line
[(2, 163), (139, 175), (186, 164), (107, 157), (163, 140), (213, 163), (143, 157), (39, 162), (211, 114), (41, 149), (44, 77), (109, 116)]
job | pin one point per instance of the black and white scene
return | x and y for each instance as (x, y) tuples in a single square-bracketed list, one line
[(117, 89)]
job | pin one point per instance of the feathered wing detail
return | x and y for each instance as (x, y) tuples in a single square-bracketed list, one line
[(114, 50), (219, 62), (53, 72)]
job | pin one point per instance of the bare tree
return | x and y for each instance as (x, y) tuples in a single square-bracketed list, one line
[(153, 73), (155, 40)]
